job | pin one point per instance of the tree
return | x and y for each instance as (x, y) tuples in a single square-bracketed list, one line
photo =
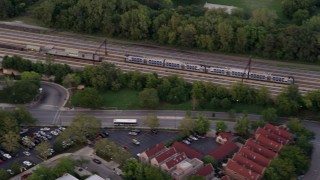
[(151, 121), (297, 128), (225, 33), (289, 7), (263, 17), (105, 148), (31, 77), (149, 98), (65, 165), (4, 174), (42, 172), (187, 124), (269, 115), (10, 141), (313, 23), (23, 116), (71, 80), (221, 126), (211, 160), (242, 125), (42, 149), (83, 127), (279, 169), (82, 161), (297, 157), (15, 167), (225, 103), (202, 124), (23, 91), (88, 98), (303, 143), (255, 124), (131, 169)]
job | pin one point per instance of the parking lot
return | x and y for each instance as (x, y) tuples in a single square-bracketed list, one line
[(33, 157), (147, 139)]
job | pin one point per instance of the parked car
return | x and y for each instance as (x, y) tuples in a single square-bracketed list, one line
[(136, 142), (62, 128), (25, 176), (133, 133), (27, 153), (45, 129), (27, 163), (54, 133), (186, 141), (10, 171), (96, 161), (1, 161), (193, 138), (136, 130)]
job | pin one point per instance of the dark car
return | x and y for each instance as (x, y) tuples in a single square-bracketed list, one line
[(96, 161), (136, 130), (25, 176)]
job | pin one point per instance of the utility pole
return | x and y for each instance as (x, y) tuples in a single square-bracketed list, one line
[(247, 70), (104, 43)]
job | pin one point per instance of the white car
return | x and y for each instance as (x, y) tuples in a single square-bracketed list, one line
[(193, 138), (185, 141), (133, 133), (136, 142), (54, 133), (27, 163), (62, 128), (42, 133), (45, 129), (27, 153), (7, 156)]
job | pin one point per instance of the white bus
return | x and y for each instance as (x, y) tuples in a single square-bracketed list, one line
[(124, 122)]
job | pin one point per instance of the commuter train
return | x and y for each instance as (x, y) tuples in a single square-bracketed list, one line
[(224, 71)]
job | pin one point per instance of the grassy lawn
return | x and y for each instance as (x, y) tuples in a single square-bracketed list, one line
[(129, 100), (124, 99)]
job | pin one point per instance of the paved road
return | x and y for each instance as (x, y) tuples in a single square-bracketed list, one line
[(49, 112)]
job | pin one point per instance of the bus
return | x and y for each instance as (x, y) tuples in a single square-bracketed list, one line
[(124, 122)]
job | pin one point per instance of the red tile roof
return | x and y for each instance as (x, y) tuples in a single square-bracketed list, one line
[(205, 171), (154, 150), (222, 151), (268, 143), (248, 163), (176, 160), (272, 136), (225, 135), (191, 153), (165, 155), (257, 158), (244, 172), (279, 131), (225, 177), (260, 149)]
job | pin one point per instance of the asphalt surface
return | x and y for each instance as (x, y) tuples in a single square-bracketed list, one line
[(49, 112)]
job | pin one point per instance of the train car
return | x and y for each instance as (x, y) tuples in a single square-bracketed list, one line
[(225, 71), (72, 52), (259, 75), (155, 61), (282, 79), (174, 64), (56, 52), (217, 70), (195, 67), (236, 72), (135, 59)]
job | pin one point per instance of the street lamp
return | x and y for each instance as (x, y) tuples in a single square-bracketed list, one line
[(175, 115)]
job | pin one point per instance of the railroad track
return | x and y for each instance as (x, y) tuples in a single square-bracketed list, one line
[(17, 37)]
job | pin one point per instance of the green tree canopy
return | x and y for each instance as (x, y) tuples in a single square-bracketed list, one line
[(221, 126), (88, 98), (242, 125), (149, 98), (151, 121)]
